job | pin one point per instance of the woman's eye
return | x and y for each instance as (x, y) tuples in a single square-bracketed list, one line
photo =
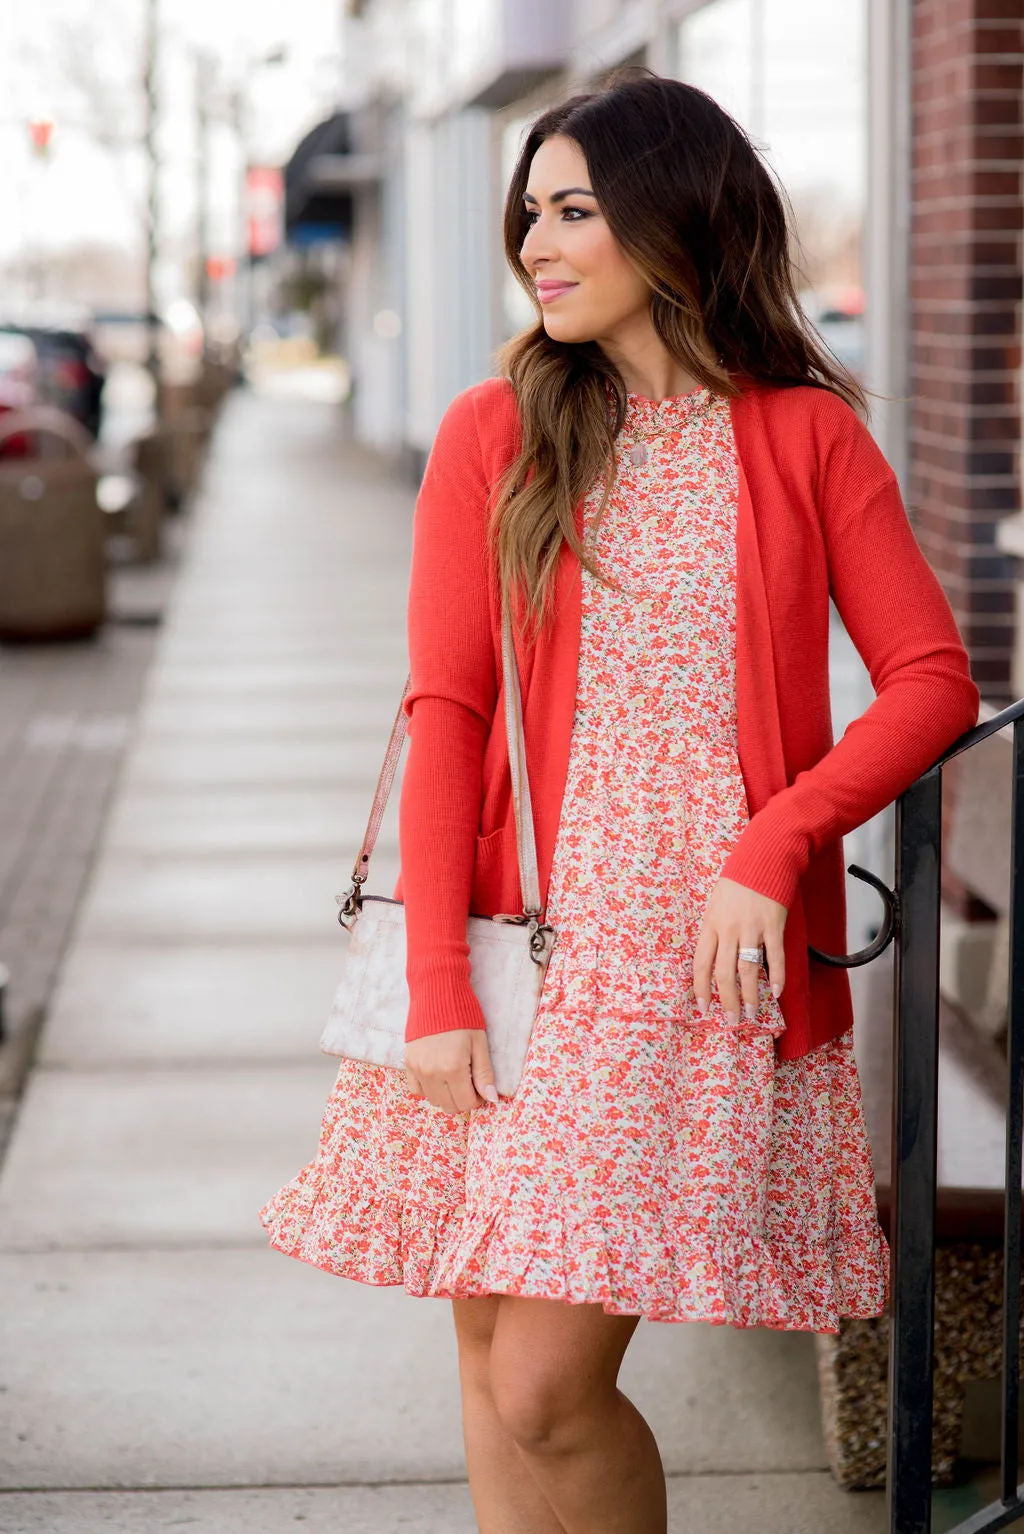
[(531, 215)]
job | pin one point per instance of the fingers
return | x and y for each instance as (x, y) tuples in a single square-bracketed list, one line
[(750, 974), (737, 917), (481, 1069), (775, 958), (440, 1068), (726, 960), (454, 1092), (703, 960), (451, 1096)]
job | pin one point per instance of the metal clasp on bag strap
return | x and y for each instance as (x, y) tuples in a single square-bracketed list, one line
[(351, 902), (539, 931)]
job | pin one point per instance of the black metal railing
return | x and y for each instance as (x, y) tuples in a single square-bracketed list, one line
[(912, 919)]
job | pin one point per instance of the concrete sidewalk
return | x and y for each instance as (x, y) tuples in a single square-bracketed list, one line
[(160, 1364)]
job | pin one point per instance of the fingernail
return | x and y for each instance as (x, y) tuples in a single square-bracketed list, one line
[(702, 1005), (732, 1018), (776, 990), (749, 1011), (490, 1092)]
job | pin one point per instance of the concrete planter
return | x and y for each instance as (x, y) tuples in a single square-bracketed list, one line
[(146, 511), (52, 532), (186, 425), (853, 1372)]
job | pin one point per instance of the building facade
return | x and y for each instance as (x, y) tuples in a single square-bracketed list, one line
[(445, 89), (967, 215), (895, 127)]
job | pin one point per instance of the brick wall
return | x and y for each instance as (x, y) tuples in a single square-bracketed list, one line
[(967, 217)]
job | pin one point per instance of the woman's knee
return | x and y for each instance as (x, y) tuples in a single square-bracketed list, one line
[(553, 1370), (540, 1408)]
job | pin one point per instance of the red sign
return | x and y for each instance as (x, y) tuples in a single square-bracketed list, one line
[(40, 131), (219, 267), (264, 190)]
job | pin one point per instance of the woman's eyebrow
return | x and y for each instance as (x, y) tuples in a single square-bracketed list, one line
[(568, 191)]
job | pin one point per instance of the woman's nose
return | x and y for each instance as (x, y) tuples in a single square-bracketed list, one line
[(537, 245)]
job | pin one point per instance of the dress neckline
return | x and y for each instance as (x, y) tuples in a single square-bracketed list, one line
[(655, 417)]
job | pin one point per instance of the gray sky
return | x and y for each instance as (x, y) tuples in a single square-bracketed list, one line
[(85, 192)]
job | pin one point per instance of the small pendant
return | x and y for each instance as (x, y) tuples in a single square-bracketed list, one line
[(638, 454)]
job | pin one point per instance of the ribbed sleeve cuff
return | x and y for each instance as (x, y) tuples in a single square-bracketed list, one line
[(770, 864), (440, 1001)]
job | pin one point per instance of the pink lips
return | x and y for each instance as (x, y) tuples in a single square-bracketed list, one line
[(547, 292)]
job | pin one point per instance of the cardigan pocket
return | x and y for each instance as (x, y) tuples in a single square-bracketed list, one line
[(495, 879), (488, 846)]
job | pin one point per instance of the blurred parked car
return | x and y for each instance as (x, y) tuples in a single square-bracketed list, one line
[(19, 367), (837, 313), (19, 374), (844, 336), (71, 372)]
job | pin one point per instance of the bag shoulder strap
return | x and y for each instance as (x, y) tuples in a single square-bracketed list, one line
[(526, 843)]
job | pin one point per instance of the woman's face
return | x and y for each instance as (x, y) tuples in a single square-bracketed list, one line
[(588, 288)]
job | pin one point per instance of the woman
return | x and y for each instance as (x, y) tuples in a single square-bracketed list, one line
[(667, 484)]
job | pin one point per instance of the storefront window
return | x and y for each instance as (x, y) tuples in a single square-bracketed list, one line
[(792, 73)]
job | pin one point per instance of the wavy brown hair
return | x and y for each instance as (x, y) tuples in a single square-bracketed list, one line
[(694, 207)]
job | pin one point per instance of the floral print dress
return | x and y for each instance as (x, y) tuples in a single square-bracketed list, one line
[(653, 1161)]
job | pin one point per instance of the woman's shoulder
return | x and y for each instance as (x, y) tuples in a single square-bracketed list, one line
[(815, 422), (796, 402), (819, 409), (476, 440), (486, 413)]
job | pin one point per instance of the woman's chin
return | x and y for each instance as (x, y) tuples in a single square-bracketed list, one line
[(562, 328)]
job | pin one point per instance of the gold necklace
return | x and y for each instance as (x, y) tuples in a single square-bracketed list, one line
[(638, 449)]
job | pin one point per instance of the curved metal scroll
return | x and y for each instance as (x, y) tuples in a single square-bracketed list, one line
[(886, 933)]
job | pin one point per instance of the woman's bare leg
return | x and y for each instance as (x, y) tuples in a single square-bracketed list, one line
[(553, 1373), (506, 1498)]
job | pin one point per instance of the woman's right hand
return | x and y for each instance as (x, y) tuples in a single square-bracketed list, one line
[(451, 1070)]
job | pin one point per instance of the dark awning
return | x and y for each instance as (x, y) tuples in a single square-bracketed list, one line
[(319, 180)]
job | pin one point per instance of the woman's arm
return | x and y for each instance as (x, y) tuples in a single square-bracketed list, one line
[(450, 706), (897, 615)]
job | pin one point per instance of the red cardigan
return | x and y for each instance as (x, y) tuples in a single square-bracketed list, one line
[(819, 514)]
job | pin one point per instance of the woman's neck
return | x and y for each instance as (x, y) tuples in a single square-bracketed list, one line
[(646, 365)]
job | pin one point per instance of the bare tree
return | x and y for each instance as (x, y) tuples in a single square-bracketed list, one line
[(92, 66)]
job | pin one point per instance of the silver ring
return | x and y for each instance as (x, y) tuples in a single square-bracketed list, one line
[(751, 955)]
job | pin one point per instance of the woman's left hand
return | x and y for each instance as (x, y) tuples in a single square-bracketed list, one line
[(738, 917)]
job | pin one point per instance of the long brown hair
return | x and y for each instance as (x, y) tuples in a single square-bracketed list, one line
[(694, 207)]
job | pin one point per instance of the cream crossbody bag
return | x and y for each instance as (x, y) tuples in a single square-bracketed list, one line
[(508, 955)]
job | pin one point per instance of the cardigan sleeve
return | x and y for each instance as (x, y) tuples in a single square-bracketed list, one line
[(450, 706), (901, 623)]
